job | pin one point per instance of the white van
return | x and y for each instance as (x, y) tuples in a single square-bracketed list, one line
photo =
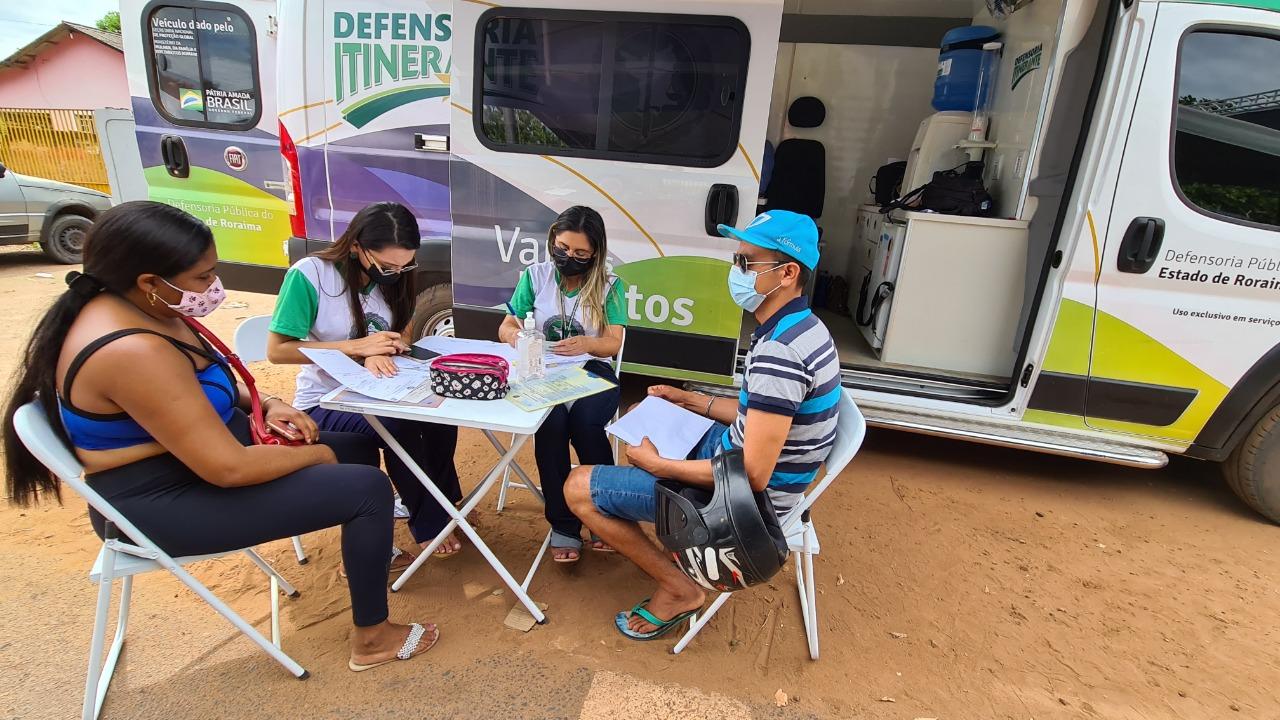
[(1117, 303), (275, 122)]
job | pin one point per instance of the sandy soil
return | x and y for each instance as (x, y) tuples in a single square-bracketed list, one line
[(955, 582)]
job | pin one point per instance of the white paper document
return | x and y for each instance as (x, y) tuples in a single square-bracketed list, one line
[(672, 429), (412, 384), (454, 346), (450, 346)]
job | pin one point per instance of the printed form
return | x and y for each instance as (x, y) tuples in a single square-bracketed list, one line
[(412, 384)]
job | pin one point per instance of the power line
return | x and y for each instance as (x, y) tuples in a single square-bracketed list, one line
[(28, 22)]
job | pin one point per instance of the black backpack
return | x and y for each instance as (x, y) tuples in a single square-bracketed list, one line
[(958, 191), (887, 183)]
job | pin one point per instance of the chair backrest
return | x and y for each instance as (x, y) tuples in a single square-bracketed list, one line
[(36, 434), (251, 338), (851, 430), (617, 359), (799, 179)]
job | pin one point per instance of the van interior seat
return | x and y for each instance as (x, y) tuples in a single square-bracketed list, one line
[(799, 179)]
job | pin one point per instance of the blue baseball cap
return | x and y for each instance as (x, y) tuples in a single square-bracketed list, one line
[(781, 230)]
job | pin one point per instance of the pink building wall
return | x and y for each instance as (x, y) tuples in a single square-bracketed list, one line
[(76, 73)]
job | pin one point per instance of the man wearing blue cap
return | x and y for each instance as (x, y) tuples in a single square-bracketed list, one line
[(784, 419)]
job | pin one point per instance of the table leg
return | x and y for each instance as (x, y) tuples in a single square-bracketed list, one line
[(498, 446), (459, 516)]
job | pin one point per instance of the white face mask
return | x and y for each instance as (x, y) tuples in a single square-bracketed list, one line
[(198, 304)]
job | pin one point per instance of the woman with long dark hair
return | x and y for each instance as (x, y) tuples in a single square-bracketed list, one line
[(357, 296), (579, 306), (157, 419)]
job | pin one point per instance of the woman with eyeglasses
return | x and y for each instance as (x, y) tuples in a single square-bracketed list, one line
[(579, 306), (357, 296)]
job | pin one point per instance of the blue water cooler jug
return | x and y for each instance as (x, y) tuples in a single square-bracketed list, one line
[(959, 65)]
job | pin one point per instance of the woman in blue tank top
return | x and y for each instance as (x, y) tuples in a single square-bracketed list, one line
[(157, 419)]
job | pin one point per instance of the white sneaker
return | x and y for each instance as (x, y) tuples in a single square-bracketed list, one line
[(401, 512)]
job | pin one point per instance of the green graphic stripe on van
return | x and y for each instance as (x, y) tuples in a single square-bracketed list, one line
[(370, 108), (1273, 5), (249, 225), (1123, 352), (1072, 337), (681, 294)]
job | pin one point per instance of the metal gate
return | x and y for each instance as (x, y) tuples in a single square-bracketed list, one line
[(55, 144)]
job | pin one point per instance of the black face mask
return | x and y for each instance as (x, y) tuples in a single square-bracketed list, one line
[(567, 265), (375, 274)]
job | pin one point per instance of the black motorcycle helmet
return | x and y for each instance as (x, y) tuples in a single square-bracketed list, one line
[(725, 540)]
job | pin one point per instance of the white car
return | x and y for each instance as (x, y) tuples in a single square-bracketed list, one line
[(57, 215)]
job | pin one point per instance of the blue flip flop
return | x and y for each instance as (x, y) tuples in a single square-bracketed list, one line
[(661, 627)]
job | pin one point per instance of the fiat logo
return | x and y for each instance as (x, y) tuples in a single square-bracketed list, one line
[(235, 158)]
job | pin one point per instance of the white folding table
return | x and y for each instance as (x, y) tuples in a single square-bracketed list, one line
[(489, 417)]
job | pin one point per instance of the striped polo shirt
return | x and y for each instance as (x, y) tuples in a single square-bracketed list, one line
[(792, 369)]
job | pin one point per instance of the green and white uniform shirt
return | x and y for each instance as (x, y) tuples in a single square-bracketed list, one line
[(557, 313), (313, 306)]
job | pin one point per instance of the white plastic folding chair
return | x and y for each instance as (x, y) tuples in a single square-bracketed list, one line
[(546, 542), (802, 536), (121, 560), (251, 346)]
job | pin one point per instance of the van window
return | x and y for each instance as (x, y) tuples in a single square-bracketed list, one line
[(621, 86), (203, 66), (1226, 151)]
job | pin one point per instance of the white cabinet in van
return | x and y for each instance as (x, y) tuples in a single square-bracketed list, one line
[(866, 237), (957, 294)]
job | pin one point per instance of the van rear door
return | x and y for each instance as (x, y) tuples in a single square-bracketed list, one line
[(373, 123), (655, 119), (202, 77), (1189, 281)]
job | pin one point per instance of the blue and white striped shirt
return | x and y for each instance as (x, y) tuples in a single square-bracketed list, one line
[(792, 369)]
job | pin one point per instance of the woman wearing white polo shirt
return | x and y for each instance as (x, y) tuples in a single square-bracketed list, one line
[(358, 297), (579, 306)]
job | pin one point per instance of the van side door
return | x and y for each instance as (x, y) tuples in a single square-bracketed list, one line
[(1188, 291), (202, 77), (656, 119)]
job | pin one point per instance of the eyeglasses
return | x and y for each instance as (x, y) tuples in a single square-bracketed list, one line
[(575, 254), (388, 270), (744, 263)]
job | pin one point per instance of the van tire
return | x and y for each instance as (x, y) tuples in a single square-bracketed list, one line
[(433, 312), (63, 239), (1253, 468)]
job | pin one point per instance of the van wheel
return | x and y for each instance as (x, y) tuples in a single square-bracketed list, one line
[(64, 238), (433, 313), (1253, 468)]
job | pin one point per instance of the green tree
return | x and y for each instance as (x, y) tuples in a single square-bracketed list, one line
[(109, 22)]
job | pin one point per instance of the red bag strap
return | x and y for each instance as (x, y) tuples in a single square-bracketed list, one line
[(255, 402)]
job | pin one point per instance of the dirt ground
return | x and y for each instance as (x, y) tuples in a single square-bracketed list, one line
[(955, 581)]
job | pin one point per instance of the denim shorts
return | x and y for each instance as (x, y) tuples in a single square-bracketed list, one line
[(627, 493)]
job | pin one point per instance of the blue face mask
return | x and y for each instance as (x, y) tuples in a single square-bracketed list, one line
[(742, 286)]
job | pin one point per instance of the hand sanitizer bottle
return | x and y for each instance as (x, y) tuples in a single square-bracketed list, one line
[(529, 349)]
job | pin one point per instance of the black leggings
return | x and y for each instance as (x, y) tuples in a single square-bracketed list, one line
[(430, 444), (185, 515)]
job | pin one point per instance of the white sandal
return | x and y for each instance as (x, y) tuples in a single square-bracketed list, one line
[(408, 650)]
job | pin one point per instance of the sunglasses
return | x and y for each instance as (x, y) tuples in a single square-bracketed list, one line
[(575, 254), (744, 263), (388, 270)]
